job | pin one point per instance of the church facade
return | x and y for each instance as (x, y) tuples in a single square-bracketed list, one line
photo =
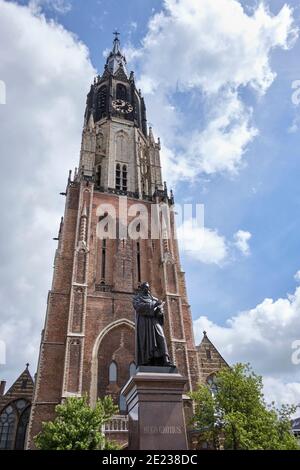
[(88, 342)]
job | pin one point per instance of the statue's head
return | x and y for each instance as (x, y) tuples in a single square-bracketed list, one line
[(145, 287)]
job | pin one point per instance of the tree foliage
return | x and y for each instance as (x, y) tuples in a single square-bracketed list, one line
[(237, 413), (77, 426)]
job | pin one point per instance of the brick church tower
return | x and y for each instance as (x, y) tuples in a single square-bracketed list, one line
[(88, 343)]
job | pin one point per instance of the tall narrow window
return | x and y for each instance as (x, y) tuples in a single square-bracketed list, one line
[(118, 176), (22, 427), (138, 256), (24, 383), (124, 178), (102, 102), (136, 110), (121, 92), (212, 382), (98, 176), (103, 264), (112, 372), (8, 421)]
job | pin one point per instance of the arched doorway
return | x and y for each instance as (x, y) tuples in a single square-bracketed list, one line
[(116, 355)]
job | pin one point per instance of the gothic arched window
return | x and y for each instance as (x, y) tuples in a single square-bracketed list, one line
[(121, 93), (212, 383), (102, 102), (13, 424), (112, 372), (22, 428), (136, 110), (208, 354), (98, 176), (8, 423), (103, 261), (132, 369), (118, 176), (124, 178), (122, 146), (24, 383)]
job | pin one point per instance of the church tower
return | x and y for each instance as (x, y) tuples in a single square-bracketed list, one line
[(88, 343)]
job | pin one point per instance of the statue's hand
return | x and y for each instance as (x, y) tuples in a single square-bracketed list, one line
[(160, 309)]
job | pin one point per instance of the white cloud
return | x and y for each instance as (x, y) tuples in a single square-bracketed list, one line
[(220, 147), (129, 51), (241, 241), (214, 44), (214, 49), (297, 276), (59, 6), (281, 393), (295, 125), (207, 245), (133, 25), (48, 73), (201, 243), (263, 336)]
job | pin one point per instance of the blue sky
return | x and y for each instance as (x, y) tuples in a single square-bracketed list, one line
[(258, 194), (262, 198)]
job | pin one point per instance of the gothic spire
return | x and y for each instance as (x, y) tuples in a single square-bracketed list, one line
[(115, 58), (116, 45)]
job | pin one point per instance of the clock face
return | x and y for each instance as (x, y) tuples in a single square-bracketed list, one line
[(122, 106)]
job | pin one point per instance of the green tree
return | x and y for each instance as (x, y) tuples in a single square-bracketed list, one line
[(205, 416), (238, 414), (77, 426)]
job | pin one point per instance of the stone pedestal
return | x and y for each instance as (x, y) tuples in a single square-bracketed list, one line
[(155, 410)]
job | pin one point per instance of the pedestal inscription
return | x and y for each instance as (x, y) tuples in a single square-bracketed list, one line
[(155, 410)]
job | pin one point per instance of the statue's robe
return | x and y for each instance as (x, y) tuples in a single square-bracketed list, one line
[(151, 346)]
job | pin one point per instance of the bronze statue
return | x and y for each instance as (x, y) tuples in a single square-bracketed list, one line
[(151, 345)]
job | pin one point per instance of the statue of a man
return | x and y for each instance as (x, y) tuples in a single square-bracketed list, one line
[(151, 345)]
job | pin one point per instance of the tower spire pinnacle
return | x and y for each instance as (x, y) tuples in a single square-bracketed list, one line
[(115, 58), (116, 46)]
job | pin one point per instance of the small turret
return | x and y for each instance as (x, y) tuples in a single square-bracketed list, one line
[(151, 136)]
